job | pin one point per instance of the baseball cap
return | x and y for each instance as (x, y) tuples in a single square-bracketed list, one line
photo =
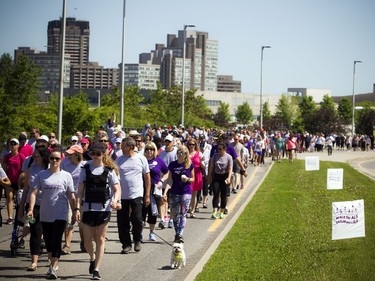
[(43, 138), (75, 148)]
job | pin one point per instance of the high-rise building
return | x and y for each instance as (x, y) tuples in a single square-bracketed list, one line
[(77, 39), (225, 83), (145, 76)]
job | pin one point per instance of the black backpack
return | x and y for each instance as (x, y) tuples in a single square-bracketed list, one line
[(96, 186)]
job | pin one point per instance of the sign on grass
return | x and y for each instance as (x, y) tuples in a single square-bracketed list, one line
[(335, 178), (348, 219), (312, 163)]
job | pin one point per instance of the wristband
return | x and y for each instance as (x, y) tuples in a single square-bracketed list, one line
[(77, 209)]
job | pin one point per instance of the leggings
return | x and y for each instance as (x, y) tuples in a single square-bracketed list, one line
[(179, 207), (36, 231), (219, 188), (53, 233)]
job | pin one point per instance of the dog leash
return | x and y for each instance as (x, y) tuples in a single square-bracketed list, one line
[(164, 240)]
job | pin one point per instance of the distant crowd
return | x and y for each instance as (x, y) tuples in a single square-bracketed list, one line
[(157, 175)]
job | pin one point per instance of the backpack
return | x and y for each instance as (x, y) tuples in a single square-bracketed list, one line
[(96, 186)]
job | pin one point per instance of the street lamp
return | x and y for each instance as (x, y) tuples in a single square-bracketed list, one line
[(98, 91), (261, 84), (353, 106), (183, 74), (62, 64)]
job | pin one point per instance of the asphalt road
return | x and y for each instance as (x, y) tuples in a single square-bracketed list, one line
[(202, 236)]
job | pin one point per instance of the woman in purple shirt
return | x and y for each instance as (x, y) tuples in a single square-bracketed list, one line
[(159, 174), (181, 174)]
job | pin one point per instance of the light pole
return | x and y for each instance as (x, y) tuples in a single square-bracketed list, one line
[(122, 68), (62, 64), (261, 85), (353, 106), (183, 74), (98, 91)]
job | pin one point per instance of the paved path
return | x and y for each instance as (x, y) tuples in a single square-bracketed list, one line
[(202, 236)]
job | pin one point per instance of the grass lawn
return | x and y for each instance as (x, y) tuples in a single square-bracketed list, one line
[(285, 233)]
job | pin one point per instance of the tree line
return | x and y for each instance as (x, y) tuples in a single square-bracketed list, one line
[(21, 110)]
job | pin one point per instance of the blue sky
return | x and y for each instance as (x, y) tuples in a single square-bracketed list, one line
[(314, 43)]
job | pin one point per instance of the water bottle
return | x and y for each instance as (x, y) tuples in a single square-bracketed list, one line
[(31, 219)]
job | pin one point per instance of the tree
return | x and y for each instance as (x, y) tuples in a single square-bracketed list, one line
[(345, 110), (287, 110), (365, 120), (222, 116), (244, 114), (19, 85)]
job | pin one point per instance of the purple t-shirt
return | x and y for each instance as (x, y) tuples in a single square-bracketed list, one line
[(178, 186), (157, 168)]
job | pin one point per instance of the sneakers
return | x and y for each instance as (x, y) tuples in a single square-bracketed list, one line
[(178, 239), (137, 246), (52, 274), (234, 190), (92, 267), (21, 244), (225, 211), (161, 225), (170, 223), (126, 250), (95, 275), (215, 215), (10, 221), (152, 236), (222, 215), (65, 250)]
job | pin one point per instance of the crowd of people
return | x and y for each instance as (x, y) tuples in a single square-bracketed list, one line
[(163, 174)]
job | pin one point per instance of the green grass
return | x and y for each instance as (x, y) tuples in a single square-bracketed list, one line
[(285, 233)]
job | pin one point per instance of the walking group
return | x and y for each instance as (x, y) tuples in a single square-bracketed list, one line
[(158, 176)]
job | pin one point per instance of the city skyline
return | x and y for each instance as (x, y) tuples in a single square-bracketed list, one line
[(313, 45)]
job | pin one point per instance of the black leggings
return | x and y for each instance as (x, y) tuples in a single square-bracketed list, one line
[(36, 231), (53, 233), (219, 187)]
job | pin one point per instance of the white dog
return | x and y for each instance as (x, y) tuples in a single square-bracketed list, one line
[(178, 257)]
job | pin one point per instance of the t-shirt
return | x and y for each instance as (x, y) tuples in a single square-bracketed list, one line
[(73, 169), (112, 180), (14, 165), (222, 163), (3, 175), (168, 157), (34, 170), (178, 186), (55, 188), (132, 169), (157, 168)]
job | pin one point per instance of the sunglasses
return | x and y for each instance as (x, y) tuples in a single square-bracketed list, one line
[(220, 149), (51, 137), (149, 149), (95, 153), (103, 140), (180, 153), (138, 140), (13, 143), (54, 158), (191, 144), (74, 141)]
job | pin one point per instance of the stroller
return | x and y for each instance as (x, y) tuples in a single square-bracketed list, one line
[(17, 241)]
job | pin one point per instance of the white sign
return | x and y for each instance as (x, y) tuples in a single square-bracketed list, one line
[(312, 163), (335, 178), (348, 219)]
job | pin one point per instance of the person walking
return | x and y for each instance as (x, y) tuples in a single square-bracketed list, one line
[(181, 175), (40, 163), (99, 191), (135, 191), (159, 174), (57, 189), (197, 159), (219, 177)]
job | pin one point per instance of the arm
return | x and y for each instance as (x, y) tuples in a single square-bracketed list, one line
[(116, 199), (32, 202), (76, 210), (72, 201), (192, 176), (26, 189), (147, 181), (210, 171), (167, 186)]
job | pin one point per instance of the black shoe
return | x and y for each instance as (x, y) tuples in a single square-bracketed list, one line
[(137, 246), (178, 239), (126, 250), (95, 275), (225, 211), (92, 267)]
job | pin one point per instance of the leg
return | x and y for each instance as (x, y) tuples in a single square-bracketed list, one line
[(99, 238)]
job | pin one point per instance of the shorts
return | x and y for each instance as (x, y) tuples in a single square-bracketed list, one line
[(96, 218)]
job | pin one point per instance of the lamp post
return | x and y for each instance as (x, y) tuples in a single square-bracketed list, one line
[(261, 85), (353, 106), (98, 91), (62, 64), (183, 74), (122, 68)]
